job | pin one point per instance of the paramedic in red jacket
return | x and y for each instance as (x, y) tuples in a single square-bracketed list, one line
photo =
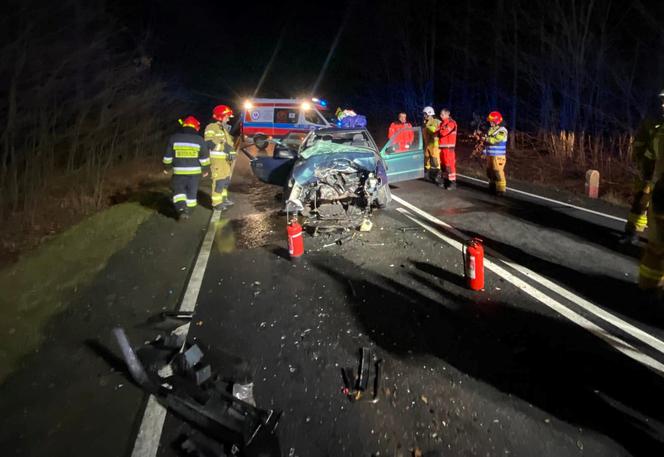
[(403, 140), (447, 134)]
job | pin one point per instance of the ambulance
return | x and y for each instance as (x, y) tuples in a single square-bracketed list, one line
[(264, 118)]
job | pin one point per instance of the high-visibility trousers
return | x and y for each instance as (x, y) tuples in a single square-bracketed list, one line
[(448, 156), (495, 171), (637, 219), (221, 179), (185, 188), (651, 270), (431, 157)]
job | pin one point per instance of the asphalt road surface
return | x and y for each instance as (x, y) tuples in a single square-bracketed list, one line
[(553, 358)]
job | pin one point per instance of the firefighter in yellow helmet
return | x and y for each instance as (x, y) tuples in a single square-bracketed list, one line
[(222, 155), (495, 152), (644, 158), (651, 271), (431, 151)]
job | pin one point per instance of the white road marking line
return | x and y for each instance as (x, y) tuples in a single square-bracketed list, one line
[(609, 317), (149, 433), (550, 200), (196, 279), (615, 342)]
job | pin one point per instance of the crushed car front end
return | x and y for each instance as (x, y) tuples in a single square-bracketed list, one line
[(336, 187)]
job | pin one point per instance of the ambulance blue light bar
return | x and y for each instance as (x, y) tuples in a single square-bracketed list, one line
[(321, 102)]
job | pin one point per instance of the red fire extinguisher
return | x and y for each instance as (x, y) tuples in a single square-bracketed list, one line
[(474, 264), (295, 241)]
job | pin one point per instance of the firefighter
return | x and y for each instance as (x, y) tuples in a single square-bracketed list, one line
[(651, 271), (644, 158), (447, 134), (401, 140), (222, 155), (188, 155), (495, 151), (431, 152)]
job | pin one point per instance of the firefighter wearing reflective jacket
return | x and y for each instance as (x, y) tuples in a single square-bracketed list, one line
[(651, 271), (447, 134), (187, 153), (222, 155), (495, 151), (644, 159), (431, 151), (402, 140)]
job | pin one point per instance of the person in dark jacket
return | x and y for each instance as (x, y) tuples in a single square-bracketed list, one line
[(188, 154)]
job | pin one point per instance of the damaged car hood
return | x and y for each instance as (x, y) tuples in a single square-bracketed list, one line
[(310, 166)]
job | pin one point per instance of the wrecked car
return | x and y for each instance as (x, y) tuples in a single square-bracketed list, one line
[(336, 177)]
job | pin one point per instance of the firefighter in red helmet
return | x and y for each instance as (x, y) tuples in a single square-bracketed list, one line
[(495, 151), (222, 155), (187, 153)]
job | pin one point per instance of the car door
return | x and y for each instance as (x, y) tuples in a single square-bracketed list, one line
[(273, 169), (404, 155)]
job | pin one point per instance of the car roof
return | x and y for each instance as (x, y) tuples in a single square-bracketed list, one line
[(332, 130)]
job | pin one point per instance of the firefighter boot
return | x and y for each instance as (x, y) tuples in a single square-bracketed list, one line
[(629, 238), (440, 180)]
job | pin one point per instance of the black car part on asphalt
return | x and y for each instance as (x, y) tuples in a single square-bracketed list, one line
[(186, 386)]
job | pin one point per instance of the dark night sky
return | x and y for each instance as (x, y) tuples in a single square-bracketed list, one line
[(222, 48), (209, 51)]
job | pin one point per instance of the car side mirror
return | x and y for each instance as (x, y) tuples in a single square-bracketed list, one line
[(261, 142)]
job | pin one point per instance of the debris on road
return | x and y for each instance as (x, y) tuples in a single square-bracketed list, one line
[(199, 396), (366, 225), (355, 386), (341, 240), (409, 229)]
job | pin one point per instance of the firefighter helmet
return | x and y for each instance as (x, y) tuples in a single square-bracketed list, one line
[(221, 111), (495, 116), (191, 121), (429, 111)]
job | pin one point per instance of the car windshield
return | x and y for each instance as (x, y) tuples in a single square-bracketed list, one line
[(335, 142)]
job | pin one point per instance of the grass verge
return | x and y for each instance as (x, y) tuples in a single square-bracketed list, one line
[(41, 284)]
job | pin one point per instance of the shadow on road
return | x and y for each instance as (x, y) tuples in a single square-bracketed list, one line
[(547, 216), (620, 296), (547, 362)]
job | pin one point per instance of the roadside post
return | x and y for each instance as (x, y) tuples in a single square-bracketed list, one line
[(592, 183)]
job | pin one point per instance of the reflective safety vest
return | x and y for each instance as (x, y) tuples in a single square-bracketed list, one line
[(219, 141), (496, 141), (187, 153), (447, 133), (642, 149), (657, 147), (430, 132)]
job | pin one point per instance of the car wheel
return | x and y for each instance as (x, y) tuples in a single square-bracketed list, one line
[(383, 197)]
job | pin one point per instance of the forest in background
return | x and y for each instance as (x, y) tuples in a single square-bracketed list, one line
[(78, 98), (572, 77)]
